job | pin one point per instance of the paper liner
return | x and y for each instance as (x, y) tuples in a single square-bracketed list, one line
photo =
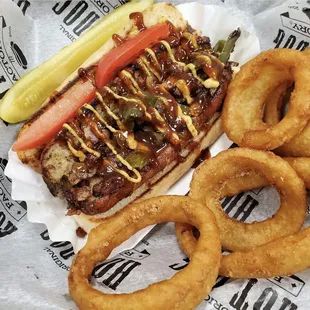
[(213, 21)]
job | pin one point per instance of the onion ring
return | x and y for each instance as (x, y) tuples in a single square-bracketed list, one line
[(185, 232), (216, 177), (185, 290), (274, 104), (231, 187), (302, 167), (281, 257), (253, 180), (243, 108), (298, 146)]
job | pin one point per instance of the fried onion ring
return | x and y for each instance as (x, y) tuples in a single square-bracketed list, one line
[(298, 146), (252, 86), (281, 257), (302, 166), (274, 105), (185, 232), (234, 171), (185, 290)]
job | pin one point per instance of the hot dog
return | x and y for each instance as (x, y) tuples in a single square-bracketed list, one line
[(133, 119)]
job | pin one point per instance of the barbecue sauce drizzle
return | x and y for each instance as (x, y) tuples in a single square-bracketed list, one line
[(118, 40), (156, 63), (137, 19)]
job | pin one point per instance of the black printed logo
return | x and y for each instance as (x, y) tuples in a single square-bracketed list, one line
[(306, 11), (291, 284), (266, 300), (10, 211), (240, 206), (112, 272), (286, 37), (16, 209), (220, 281), (135, 254), (180, 266), (77, 16), (298, 26), (283, 40), (23, 5), (215, 303), (59, 251), (6, 61), (19, 55)]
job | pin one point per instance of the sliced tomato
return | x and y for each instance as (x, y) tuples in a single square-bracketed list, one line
[(124, 54), (44, 128)]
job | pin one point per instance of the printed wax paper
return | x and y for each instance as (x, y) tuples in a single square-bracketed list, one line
[(33, 267)]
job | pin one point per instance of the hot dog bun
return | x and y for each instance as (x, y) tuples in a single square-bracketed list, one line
[(41, 159)]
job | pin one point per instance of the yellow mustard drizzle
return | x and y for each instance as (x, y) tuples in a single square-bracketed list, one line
[(101, 119), (161, 128), (211, 57), (209, 83), (168, 48), (135, 87), (125, 174), (158, 116), (82, 156), (182, 86), (186, 93), (114, 116), (132, 143), (187, 119), (149, 77), (124, 162), (148, 67), (190, 37), (144, 67), (189, 123), (139, 102), (112, 129), (75, 152), (83, 145), (152, 54), (205, 58), (109, 111)]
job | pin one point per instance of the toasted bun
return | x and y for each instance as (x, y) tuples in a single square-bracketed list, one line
[(161, 185), (151, 16)]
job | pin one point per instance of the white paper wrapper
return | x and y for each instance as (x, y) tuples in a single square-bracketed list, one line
[(29, 186), (34, 269)]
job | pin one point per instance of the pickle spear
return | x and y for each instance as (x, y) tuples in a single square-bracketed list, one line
[(28, 94)]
